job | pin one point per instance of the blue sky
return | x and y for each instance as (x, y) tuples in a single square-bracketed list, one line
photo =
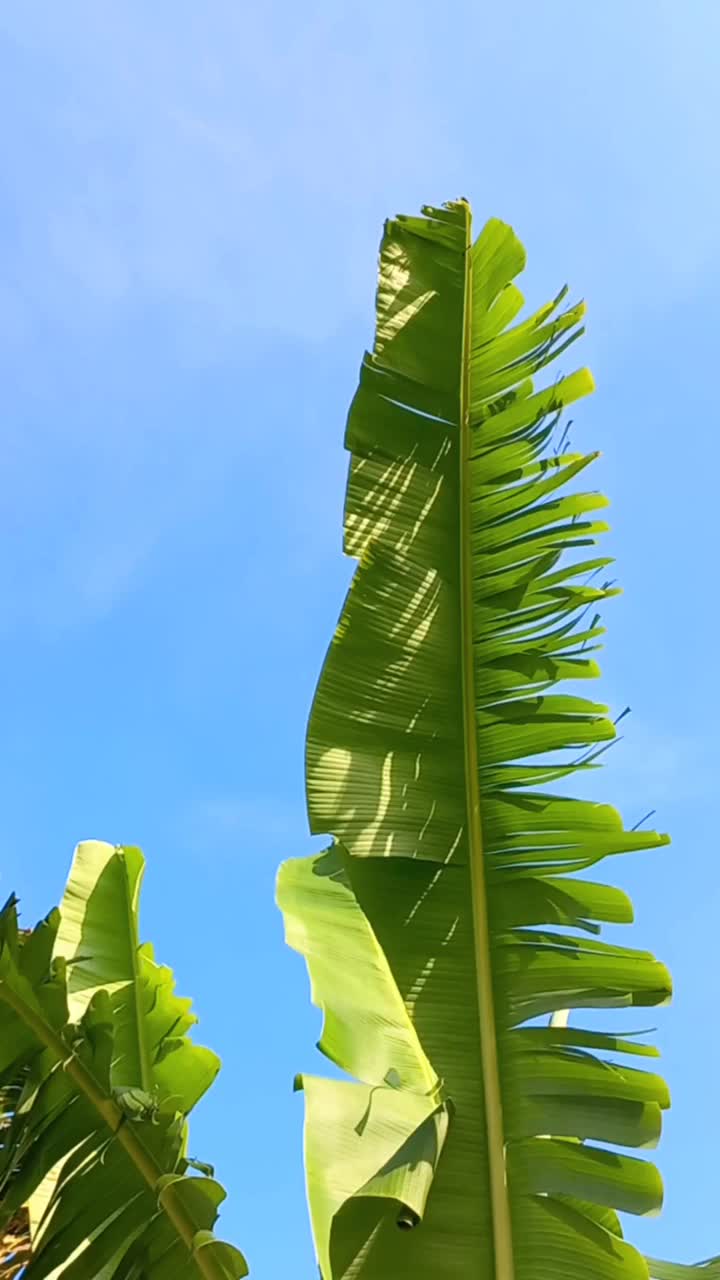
[(191, 201)]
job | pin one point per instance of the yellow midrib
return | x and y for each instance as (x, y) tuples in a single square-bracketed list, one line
[(499, 1198)]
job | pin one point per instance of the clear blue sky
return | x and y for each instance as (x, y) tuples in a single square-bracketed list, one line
[(192, 196)]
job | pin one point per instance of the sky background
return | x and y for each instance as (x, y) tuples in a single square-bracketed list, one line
[(191, 200)]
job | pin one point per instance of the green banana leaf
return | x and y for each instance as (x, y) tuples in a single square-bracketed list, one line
[(98, 1075), (98, 938), (471, 1140), (707, 1270)]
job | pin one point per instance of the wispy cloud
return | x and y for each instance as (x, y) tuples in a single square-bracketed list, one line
[(212, 181), (226, 163), (236, 163)]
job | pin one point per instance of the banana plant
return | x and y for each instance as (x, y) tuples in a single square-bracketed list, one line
[(471, 1130), (98, 1074)]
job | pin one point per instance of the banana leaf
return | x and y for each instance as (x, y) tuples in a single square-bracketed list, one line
[(463, 1137), (707, 1270), (98, 1074)]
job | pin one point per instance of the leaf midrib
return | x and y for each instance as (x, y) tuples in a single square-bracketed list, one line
[(499, 1197), (136, 978)]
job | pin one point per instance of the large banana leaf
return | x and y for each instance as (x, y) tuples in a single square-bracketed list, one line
[(98, 1075), (707, 1270), (447, 919)]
